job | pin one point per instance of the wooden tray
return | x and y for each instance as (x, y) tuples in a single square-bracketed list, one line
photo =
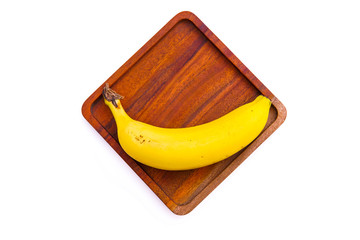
[(183, 76)]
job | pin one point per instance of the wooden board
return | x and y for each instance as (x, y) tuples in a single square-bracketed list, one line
[(183, 76)]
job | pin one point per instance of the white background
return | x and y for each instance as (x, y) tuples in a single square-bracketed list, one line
[(60, 180)]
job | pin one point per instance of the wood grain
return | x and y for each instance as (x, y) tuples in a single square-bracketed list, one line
[(183, 76)]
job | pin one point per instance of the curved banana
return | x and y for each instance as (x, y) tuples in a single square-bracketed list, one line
[(190, 147)]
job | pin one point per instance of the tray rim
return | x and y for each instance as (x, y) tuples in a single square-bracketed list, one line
[(188, 207)]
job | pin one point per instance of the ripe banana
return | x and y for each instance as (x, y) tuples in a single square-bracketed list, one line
[(189, 147)]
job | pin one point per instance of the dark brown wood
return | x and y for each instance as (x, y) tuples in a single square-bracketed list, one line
[(183, 76)]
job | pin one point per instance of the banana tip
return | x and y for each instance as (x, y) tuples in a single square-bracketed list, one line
[(110, 95)]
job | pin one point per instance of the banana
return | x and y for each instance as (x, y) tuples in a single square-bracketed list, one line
[(189, 147)]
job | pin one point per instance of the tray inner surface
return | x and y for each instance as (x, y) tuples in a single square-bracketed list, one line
[(182, 80)]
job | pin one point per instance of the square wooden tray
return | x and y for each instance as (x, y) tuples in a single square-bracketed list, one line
[(183, 76)]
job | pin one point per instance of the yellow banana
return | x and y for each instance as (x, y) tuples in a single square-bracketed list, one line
[(189, 147)]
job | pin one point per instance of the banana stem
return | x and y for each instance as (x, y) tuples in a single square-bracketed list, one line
[(110, 95)]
